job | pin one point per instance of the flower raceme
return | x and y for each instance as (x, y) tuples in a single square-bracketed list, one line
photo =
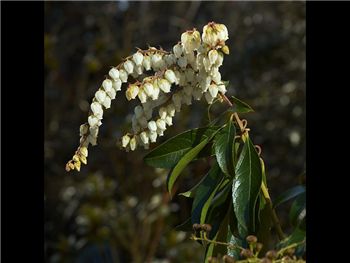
[(188, 72)]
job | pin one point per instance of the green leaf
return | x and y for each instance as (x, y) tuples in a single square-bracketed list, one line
[(246, 187), (168, 154), (289, 194), (204, 191), (184, 161), (224, 148), (264, 227), (218, 208), (297, 212), (298, 236), (222, 236), (241, 106), (191, 193)]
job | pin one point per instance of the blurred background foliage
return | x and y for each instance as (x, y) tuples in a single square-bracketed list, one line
[(116, 208)]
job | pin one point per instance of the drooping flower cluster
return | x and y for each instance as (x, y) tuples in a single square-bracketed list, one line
[(188, 73)]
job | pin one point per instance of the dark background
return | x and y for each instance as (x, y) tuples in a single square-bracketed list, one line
[(115, 208)]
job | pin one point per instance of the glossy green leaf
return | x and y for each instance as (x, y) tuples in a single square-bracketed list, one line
[(184, 161), (224, 148), (207, 204), (298, 210), (246, 187), (298, 236), (191, 193), (218, 208), (289, 194), (241, 106), (168, 154), (204, 191), (222, 236)]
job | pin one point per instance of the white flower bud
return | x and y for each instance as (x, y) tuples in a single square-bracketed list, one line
[(157, 61), (138, 110), (146, 63), (163, 112), (177, 98), (170, 59), (197, 94), (117, 84), (214, 33), (114, 73), (191, 58), (191, 40), (125, 140), (133, 143), (152, 126), (142, 96), (137, 58), (204, 83), (138, 70), (170, 76), (148, 88), (84, 128), (83, 151), (206, 64), (132, 92), (144, 137), (208, 97), (100, 96), (123, 75), (96, 109), (160, 132), (107, 102), (182, 62), (94, 131), (219, 60), (156, 92), (213, 90), (171, 110), (222, 88), (161, 124), (153, 136), (92, 140), (169, 120), (213, 56), (93, 120), (177, 49), (164, 85), (112, 93), (216, 76), (129, 66)]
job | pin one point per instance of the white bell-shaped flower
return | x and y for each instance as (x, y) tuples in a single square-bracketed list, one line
[(146, 62), (107, 102), (123, 75), (93, 120), (164, 85), (125, 140), (129, 66), (114, 73), (100, 96), (137, 58), (96, 109), (133, 143), (117, 84), (152, 126), (132, 92)]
